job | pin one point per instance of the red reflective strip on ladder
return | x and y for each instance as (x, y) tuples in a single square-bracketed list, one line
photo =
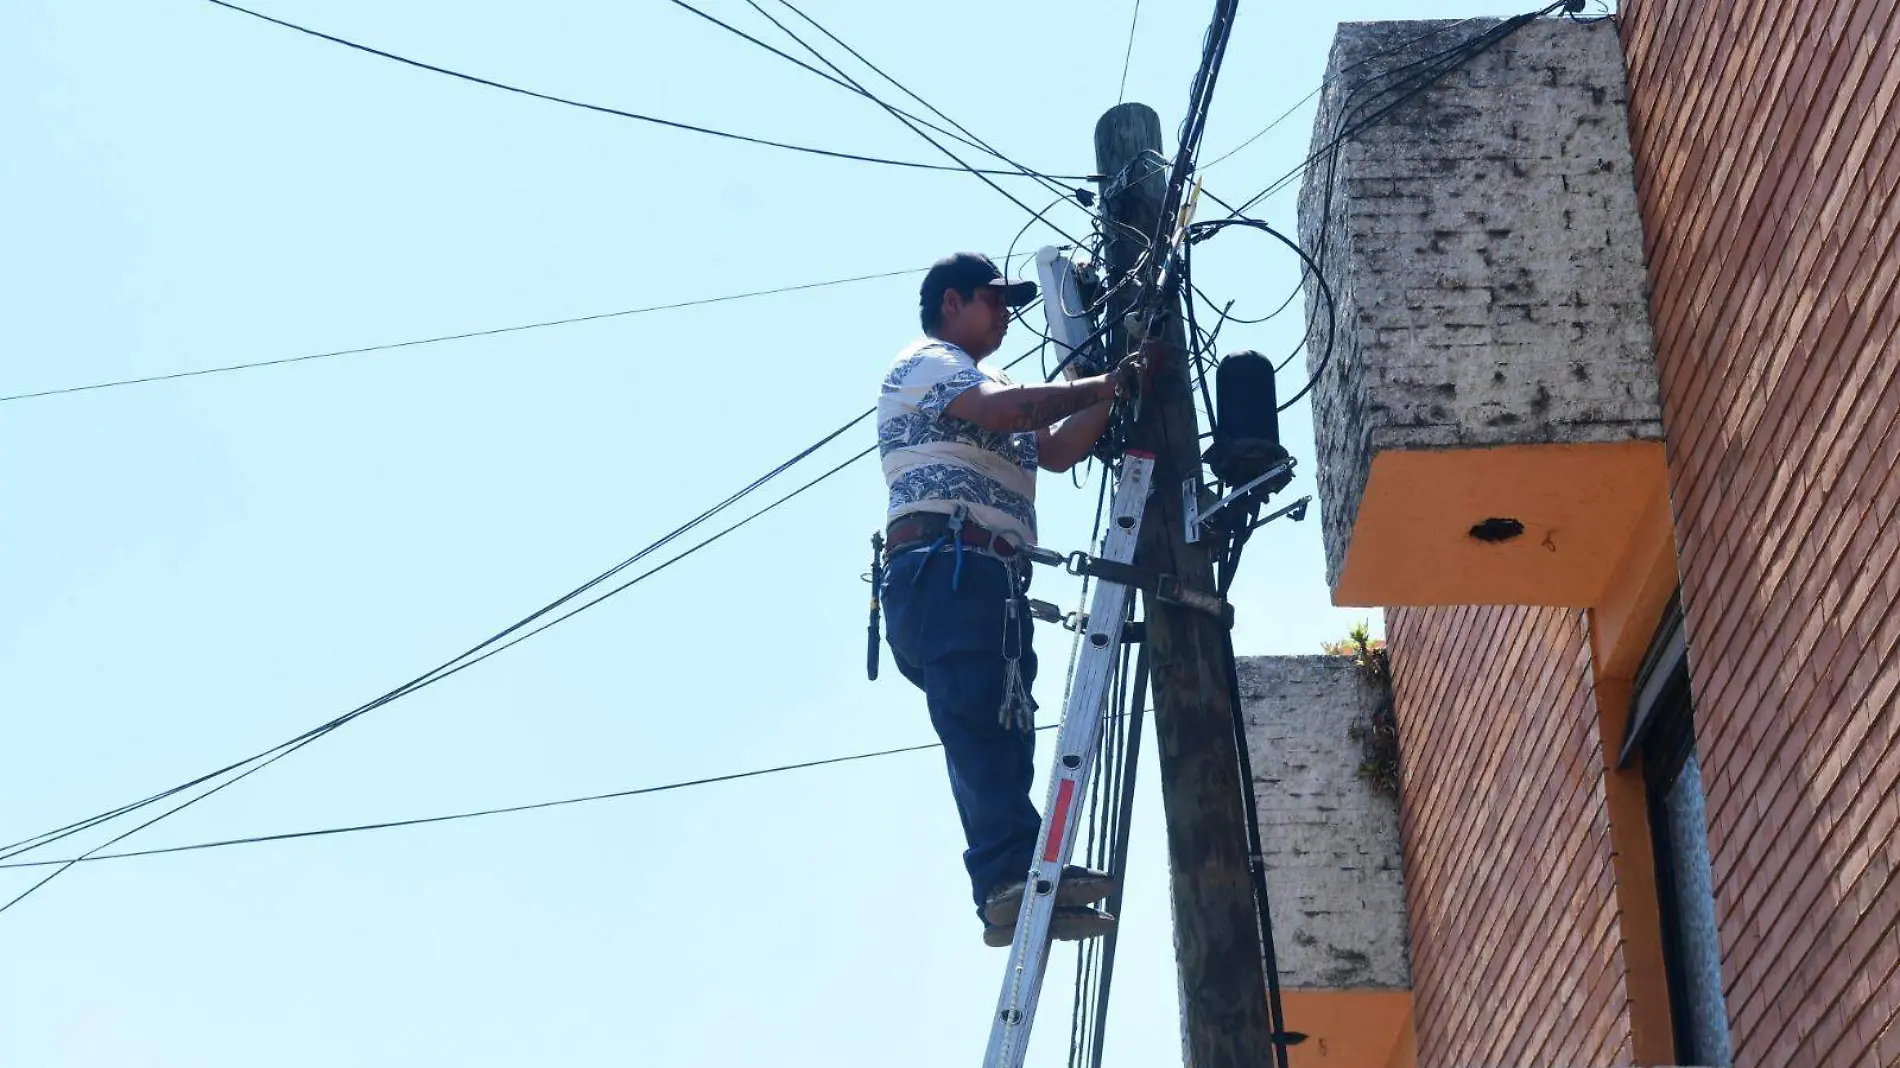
[(1059, 819)]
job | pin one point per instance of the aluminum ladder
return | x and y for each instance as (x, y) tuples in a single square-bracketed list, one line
[(1069, 776)]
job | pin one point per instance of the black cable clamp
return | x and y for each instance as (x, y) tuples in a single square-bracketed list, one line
[(1122, 179)]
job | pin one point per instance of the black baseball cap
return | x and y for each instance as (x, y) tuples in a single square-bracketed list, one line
[(969, 270)]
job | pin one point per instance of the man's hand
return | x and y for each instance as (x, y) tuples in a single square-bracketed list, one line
[(1156, 354), (1136, 374)]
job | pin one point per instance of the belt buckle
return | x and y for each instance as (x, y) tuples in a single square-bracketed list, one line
[(984, 539), (999, 544)]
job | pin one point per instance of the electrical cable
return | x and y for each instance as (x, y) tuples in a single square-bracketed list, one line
[(286, 751), (1460, 54), (1256, 858), (1162, 248), (1226, 314), (1349, 108), (1128, 54), (617, 112), (428, 677), (454, 665), (505, 810), (1195, 345), (451, 667), (906, 90), (1267, 318), (1200, 95), (1573, 12), (464, 336), (1454, 58), (1099, 333), (835, 80), (1204, 230), (1019, 313), (1330, 79), (913, 127), (454, 816)]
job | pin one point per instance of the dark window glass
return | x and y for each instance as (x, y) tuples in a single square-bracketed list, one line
[(1663, 731)]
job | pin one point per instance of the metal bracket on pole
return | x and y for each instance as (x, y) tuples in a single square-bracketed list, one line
[(1168, 590), (1295, 511), (1197, 506)]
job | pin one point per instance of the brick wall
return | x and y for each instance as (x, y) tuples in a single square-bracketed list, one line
[(1516, 946), (1765, 143)]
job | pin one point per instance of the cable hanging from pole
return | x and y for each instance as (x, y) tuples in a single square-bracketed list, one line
[(1456, 57), (913, 126), (623, 114), (964, 137), (1081, 196)]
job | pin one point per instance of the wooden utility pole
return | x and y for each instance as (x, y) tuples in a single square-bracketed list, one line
[(1216, 934)]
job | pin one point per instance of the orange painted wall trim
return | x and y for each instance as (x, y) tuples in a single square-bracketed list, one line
[(1621, 628), (1349, 1028), (1579, 506)]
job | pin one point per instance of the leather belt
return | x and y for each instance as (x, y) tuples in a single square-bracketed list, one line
[(911, 531)]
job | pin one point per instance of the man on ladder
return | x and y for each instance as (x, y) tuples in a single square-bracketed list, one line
[(961, 445)]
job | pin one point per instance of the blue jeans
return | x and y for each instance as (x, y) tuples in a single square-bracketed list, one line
[(946, 628)]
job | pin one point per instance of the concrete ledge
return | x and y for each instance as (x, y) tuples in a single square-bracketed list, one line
[(1332, 843), (1485, 254), (1334, 863)]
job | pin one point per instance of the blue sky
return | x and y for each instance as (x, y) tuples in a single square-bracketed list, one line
[(195, 570)]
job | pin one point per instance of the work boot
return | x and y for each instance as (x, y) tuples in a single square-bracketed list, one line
[(1080, 886), (1071, 923)]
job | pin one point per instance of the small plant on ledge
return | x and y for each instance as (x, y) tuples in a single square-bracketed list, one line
[(1378, 735)]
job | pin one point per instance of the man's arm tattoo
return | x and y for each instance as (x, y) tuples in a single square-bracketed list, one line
[(1036, 414)]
